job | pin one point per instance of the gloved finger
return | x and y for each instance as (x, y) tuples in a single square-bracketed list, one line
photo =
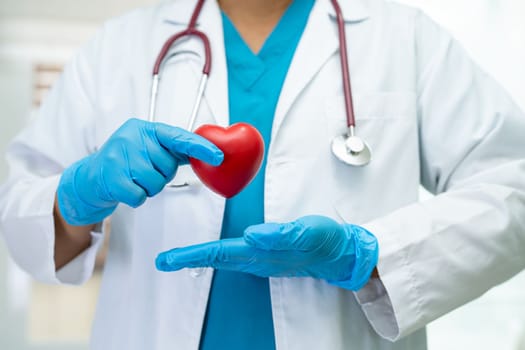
[(210, 254), (272, 236), (235, 255), (161, 159), (228, 254), (152, 182), (183, 144), (144, 174), (124, 190)]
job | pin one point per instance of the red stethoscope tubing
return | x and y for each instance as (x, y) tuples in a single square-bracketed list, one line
[(191, 30), (343, 53)]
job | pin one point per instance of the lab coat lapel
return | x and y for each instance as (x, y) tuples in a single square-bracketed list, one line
[(209, 22), (318, 43)]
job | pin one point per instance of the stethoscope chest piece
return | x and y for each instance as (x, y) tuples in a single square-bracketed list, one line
[(351, 150)]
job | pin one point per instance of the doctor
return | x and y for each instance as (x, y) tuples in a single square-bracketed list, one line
[(300, 242)]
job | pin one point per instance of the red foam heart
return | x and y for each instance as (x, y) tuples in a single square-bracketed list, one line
[(243, 148)]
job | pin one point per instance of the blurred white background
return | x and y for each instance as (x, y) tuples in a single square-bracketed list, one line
[(38, 36)]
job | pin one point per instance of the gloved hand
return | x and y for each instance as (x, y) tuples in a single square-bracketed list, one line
[(312, 246), (136, 162)]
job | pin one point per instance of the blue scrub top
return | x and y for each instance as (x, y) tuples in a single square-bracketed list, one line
[(239, 313)]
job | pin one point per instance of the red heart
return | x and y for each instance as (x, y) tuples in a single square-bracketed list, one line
[(243, 148)]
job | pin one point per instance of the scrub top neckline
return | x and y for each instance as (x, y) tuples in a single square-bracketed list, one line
[(252, 65)]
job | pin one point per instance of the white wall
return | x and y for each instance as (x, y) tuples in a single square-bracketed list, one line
[(92, 10)]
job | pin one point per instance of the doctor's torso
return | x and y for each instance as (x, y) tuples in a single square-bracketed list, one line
[(141, 308)]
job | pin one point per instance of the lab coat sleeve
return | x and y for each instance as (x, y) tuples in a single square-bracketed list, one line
[(439, 254), (58, 135)]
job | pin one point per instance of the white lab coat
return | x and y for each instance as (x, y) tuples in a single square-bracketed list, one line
[(429, 114)]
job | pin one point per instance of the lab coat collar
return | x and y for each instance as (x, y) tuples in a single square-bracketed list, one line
[(353, 10)]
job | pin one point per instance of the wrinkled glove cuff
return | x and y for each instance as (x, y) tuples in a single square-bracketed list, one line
[(366, 256), (73, 208)]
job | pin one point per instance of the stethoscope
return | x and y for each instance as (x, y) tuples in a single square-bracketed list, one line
[(348, 148)]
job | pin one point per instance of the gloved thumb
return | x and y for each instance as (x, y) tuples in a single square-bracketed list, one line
[(182, 143)]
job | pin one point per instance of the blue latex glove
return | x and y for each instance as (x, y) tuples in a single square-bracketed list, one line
[(312, 246), (136, 162)]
